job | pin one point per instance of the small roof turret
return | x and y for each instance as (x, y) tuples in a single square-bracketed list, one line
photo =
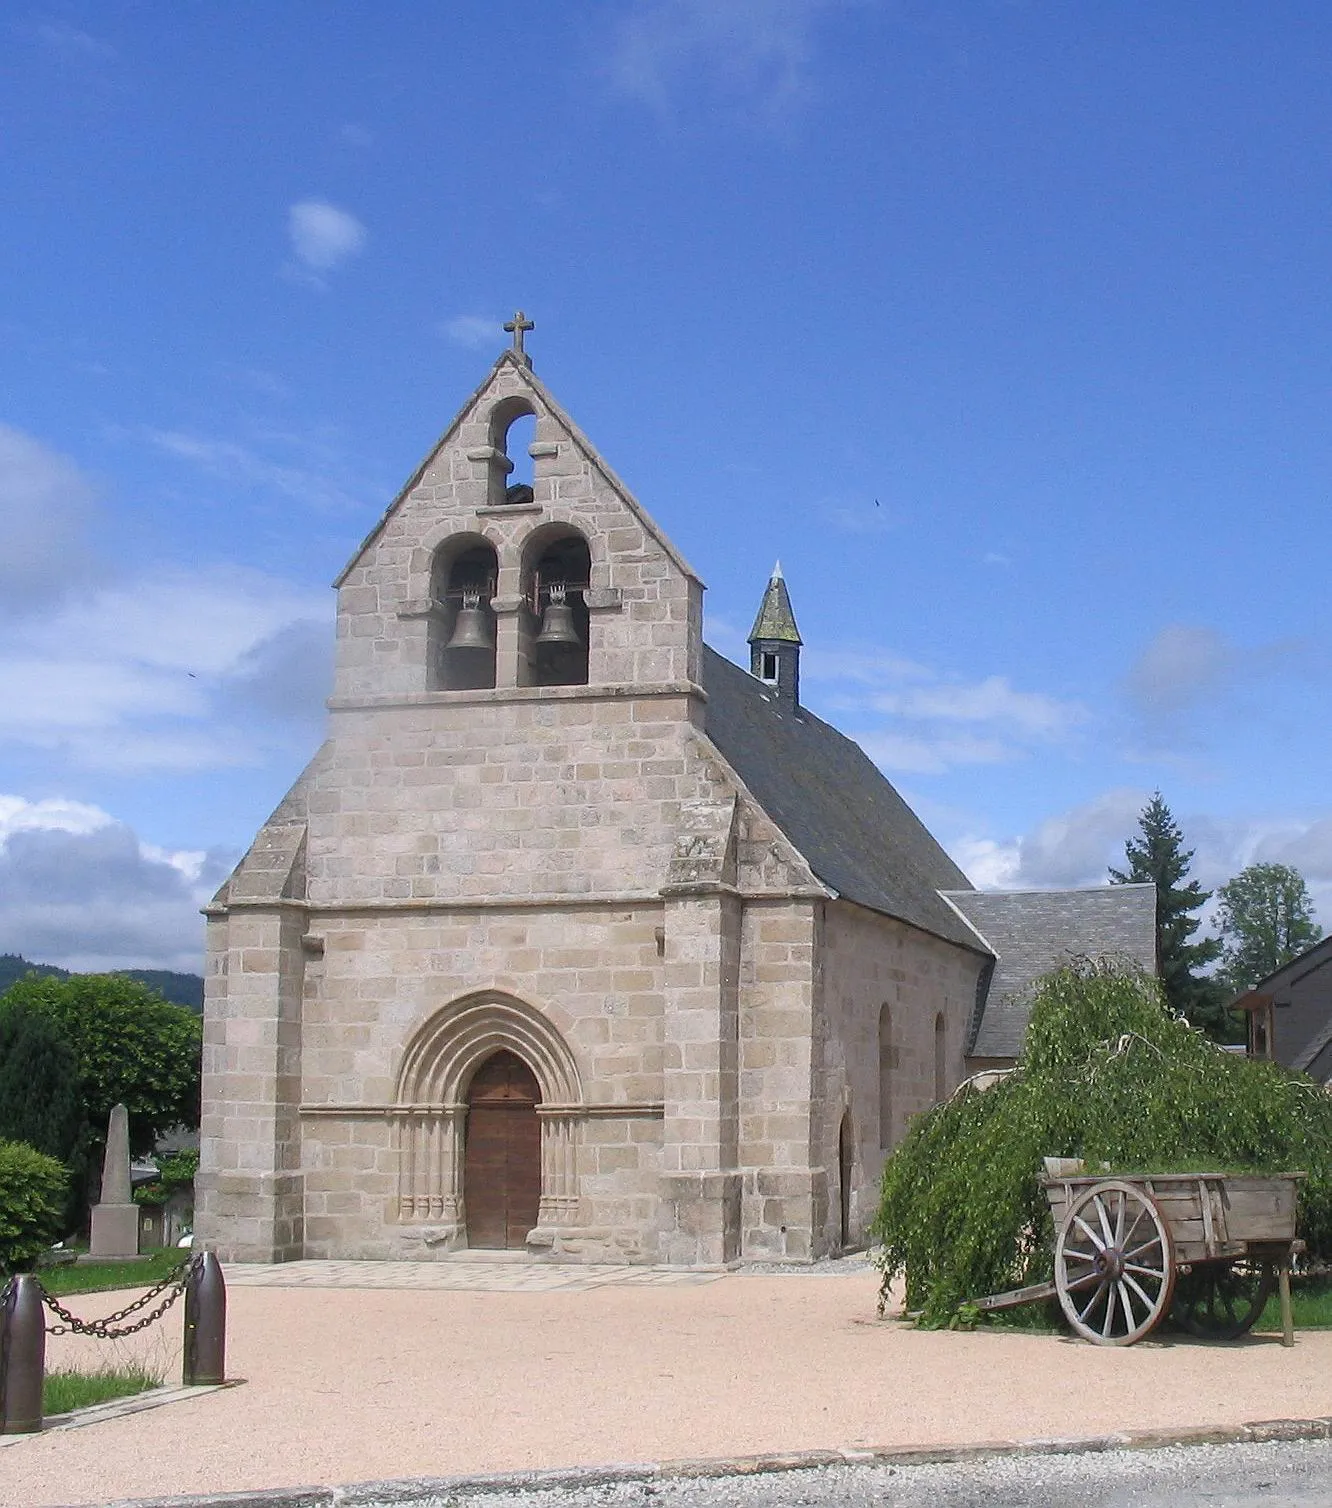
[(775, 622)]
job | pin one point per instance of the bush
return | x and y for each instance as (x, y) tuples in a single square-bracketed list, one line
[(1109, 1076), (32, 1204)]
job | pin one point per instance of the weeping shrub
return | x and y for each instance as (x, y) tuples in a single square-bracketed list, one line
[(1107, 1075), (32, 1204)]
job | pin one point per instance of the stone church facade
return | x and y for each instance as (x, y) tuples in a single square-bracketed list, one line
[(573, 937)]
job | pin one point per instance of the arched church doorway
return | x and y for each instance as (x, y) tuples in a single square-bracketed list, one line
[(502, 1157), (846, 1154)]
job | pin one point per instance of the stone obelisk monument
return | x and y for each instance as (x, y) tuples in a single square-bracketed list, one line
[(115, 1220)]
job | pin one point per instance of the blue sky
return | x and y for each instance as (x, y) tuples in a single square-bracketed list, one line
[(1004, 325)]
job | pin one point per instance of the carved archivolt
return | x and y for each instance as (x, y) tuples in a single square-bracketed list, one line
[(431, 1109)]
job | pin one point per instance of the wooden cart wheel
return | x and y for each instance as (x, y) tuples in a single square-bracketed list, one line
[(1222, 1300), (1114, 1263)]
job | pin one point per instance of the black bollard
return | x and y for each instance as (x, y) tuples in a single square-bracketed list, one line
[(205, 1323), (22, 1356)]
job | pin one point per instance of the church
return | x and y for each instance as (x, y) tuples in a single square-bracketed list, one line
[(574, 938)]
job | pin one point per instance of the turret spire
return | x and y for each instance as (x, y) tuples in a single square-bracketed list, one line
[(774, 642)]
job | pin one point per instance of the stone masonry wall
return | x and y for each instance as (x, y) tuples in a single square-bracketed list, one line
[(594, 973), (871, 961)]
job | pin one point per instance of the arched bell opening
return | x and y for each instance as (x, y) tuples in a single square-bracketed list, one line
[(463, 628), (512, 430), (502, 1153), (554, 632)]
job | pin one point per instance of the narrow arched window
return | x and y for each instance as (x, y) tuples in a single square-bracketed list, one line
[(886, 1065), (512, 430), (940, 1058), (462, 650), (554, 637)]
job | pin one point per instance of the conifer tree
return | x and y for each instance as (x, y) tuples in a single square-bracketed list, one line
[(40, 1099), (1158, 856)]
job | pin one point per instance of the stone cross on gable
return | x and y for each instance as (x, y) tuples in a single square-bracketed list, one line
[(518, 327)]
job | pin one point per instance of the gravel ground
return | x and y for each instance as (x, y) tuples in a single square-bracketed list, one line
[(378, 1385), (1218, 1476)]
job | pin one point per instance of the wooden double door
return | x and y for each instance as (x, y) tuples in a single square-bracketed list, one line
[(502, 1158)]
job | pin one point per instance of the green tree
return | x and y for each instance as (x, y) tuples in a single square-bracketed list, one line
[(1106, 1075), (1158, 856), (41, 1100), (1266, 919), (131, 1046)]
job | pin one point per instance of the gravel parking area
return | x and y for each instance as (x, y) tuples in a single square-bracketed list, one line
[(359, 1384)]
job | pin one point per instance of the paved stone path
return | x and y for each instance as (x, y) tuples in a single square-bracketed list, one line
[(454, 1276)]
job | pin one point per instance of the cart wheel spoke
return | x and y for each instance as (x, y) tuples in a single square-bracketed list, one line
[(1221, 1301), (1114, 1293), (1090, 1233)]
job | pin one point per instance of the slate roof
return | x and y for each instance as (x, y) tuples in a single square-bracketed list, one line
[(855, 832), (775, 620), (1034, 931)]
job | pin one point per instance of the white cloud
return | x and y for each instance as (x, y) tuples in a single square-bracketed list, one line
[(322, 235), (1081, 845), (905, 754), (52, 814), (313, 472), (992, 700), (475, 331), (1072, 848), (79, 889), (180, 671), (910, 718), (757, 53), (46, 503)]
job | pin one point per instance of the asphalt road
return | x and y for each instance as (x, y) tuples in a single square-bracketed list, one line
[(1298, 1474)]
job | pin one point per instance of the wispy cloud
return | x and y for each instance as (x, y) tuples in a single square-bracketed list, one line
[(46, 503), (311, 472), (475, 331), (180, 671), (912, 718), (71, 41), (759, 53), (322, 236)]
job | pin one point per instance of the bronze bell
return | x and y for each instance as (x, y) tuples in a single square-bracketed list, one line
[(557, 624), (471, 629)]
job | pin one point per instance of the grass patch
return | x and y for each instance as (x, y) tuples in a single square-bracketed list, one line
[(1310, 1304), (96, 1277), (63, 1391)]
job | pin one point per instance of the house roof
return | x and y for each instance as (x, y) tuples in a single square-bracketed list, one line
[(1034, 931), (853, 829), (1301, 991)]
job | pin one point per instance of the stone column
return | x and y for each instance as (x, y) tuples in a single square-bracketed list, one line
[(115, 1218), (700, 1134), (252, 1202)]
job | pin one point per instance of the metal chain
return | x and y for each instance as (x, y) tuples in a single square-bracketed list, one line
[(104, 1329)]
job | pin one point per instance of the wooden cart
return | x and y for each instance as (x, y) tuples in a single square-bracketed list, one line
[(1210, 1246)]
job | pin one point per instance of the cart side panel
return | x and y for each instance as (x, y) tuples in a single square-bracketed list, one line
[(1259, 1209)]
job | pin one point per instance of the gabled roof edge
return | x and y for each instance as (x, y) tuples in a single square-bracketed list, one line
[(589, 451)]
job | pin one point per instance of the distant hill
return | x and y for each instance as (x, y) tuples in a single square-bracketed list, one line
[(181, 989)]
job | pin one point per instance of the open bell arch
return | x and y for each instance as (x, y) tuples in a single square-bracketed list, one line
[(430, 1109)]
